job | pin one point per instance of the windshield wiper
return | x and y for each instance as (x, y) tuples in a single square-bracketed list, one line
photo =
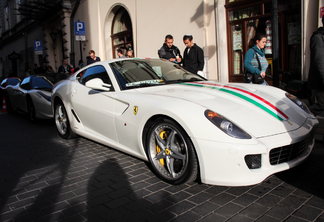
[(142, 85), (182, 80)]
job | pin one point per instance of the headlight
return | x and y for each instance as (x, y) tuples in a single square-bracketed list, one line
[(298, 102), (226, 126)]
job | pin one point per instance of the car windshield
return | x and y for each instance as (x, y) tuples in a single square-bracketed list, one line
[(40, 82), (150, 72)]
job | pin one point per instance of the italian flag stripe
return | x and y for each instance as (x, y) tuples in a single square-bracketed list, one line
[(247, 96)]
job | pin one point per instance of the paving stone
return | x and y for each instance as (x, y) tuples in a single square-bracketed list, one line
[(159, 206), (238, 191), (188, 217), (51, 217), (75, 209), (316, 202), (293, 201), (178, 197), (222, 199), (246, 199), (161, 217), (29, 216), (113, 204), (200, 198), (254, 211), (213, 217), (229, 210), (295, 219), (240, 218), (119, 193), (266, 218), (139, 215), (308, 212), (158, 186), (181, 207), (260, 190), (114, 214), (280, 212), (77, 180), (269, 200), (205, 208), (283, 190)]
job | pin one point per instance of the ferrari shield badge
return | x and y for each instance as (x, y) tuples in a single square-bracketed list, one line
[(135, 109)]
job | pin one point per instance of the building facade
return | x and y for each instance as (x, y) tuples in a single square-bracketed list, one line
[(33, 32)]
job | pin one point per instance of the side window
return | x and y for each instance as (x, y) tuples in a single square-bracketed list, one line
[(96, 72), (3, 83), (12, 82), (25, 84)]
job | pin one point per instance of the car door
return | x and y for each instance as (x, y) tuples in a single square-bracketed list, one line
[(18, 98), (95, 108)]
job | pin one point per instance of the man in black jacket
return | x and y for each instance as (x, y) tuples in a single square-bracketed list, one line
[(193, 55), (316, 71), (169, 51)]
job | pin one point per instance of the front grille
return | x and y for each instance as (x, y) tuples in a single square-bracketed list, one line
[(289, 152)]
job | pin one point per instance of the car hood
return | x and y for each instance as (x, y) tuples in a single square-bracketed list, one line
[(259, 110)]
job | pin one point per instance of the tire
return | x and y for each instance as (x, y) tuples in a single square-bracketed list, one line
[(31, 111), (171, 153), (62, 121)]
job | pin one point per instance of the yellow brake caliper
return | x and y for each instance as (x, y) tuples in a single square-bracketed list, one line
[(163, 135)]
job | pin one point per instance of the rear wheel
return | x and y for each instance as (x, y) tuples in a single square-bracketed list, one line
[(62, 121), (171, 152)]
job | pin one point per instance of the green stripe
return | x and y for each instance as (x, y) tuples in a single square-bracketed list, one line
[(242, 97), (253, 102)]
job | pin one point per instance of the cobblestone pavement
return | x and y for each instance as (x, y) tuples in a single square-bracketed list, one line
[(46, 178)]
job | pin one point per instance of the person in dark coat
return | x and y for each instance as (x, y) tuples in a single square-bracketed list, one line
[(316, 71), (92, 57), (65, 68), (169, 51), (193, 56)]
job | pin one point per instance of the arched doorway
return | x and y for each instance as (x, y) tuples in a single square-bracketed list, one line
[(122, 35)]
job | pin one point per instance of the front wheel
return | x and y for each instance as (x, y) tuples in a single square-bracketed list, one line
[(171, 153), (62, 121)]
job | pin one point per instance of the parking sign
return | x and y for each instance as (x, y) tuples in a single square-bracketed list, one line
[(79, 28), (38, 47)]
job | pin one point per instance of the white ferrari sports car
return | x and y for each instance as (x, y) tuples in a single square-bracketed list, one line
[(188, 128), (32, 96)]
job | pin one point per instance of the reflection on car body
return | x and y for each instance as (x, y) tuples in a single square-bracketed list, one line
[(32, 96)]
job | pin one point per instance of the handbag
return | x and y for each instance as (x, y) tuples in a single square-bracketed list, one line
[(254, 78)]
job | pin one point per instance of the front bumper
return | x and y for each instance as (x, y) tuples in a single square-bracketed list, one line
[(224, 163)]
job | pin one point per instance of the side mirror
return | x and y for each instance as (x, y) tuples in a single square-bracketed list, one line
[(98, 84)]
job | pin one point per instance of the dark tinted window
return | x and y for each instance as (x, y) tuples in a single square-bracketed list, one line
[(3, 83), (12, 82), (95, 72), (40, 83), (25, 83)]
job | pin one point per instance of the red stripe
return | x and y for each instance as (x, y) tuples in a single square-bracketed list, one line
[(251, 94)]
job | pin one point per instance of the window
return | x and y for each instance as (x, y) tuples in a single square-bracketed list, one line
[(25, 83), (96, 72), (122, 36), (12, 82), (245, 18), (244, 21), (41, 83)]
